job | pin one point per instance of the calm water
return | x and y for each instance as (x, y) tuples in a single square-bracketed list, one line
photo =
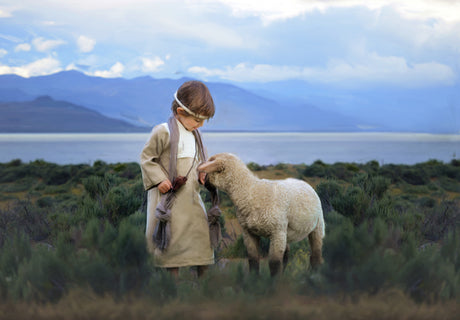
[(262, 148)]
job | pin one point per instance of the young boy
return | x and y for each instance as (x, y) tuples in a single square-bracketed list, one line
[(177, 227)]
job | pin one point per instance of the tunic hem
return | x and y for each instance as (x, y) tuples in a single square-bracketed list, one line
[(185, 264)]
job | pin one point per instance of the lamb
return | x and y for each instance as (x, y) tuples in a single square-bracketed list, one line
[(284, 211)]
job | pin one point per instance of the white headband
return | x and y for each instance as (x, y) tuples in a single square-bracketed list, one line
[(190, 112)]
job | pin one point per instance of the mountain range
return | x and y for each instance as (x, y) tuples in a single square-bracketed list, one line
[(71, 101), (45, 114)]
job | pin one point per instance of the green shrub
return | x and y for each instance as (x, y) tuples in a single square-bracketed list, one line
[(94, 271), (374, 186), (427, 277), (440, 219), (127, 170), (317, 169), (327, 191), (96, 186), (44, 202), (161, 286), (342, 171), (58, 175), (122, 201), (236, 249), (42, 278), (415, 176), (372, 167), (13, 252), (90, 208), (353, 204), (254, 166), (24, 217)]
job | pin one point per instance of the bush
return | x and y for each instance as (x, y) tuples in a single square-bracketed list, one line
[(317, 169), (58, 175), (374, 186), (254, 166), (440, 219), (236, 249), (327, 191), (427, 277), (43, 278), (24, 217), (14, 251)]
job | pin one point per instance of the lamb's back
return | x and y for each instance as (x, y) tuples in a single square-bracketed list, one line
[(303, 209)]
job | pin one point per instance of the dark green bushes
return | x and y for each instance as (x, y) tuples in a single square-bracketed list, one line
[(92, 238), (82, 226), (376, 239)]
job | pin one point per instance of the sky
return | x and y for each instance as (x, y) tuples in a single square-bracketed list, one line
[(382, 43)]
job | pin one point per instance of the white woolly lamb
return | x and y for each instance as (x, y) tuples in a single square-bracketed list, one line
[(284, 211)]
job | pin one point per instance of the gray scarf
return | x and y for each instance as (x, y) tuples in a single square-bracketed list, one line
[(162, 232)]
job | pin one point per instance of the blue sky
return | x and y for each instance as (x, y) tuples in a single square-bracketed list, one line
[(387, 43)]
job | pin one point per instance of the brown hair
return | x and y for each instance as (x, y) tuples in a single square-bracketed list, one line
[(195, 95)]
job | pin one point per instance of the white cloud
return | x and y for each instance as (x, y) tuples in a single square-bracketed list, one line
[(115, 71), (271, 10), (85, 44), (3, 53), (44, 45), (37, 68), (376, 70), (5, 12), (152, 65), (10, 38), (22, 47)]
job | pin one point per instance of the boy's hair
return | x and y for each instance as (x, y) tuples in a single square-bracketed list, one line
[(195, 96)]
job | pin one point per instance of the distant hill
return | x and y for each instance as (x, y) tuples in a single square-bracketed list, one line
[(274, 106), (146, 101), (45, 114)]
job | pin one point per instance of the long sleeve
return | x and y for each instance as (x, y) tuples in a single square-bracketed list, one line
[(155, 157)]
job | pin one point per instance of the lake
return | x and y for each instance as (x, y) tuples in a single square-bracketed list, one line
[(262, 148)]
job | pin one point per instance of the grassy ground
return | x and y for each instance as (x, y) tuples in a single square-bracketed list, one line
[(80, 304), (401, 236)]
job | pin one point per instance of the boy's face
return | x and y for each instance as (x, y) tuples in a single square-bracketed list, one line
[(189, 122)]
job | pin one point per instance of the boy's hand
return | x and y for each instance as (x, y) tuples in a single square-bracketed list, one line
[(202, 177), (165, 186)]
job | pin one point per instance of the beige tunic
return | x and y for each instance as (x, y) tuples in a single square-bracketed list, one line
[(189, 244)]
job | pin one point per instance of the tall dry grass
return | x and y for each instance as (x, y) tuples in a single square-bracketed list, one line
[(79, 304)]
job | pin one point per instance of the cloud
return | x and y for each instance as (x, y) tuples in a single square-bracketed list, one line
[(10, 38), (43, 45), (376, 70), (270, 10), (152, 65), (5, 12), (85, 44), (36, 68), (115, 71), (3, 53), (22, 47)]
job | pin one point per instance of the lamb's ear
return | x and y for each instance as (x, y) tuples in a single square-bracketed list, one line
[(210, 166)]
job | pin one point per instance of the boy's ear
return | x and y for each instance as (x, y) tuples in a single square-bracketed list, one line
[(181, 111)]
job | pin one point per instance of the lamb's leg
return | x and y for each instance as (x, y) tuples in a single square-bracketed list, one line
[(276, 252), (315, 239), (286, 257), (252, 246)]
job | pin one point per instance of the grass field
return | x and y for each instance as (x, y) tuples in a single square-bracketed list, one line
[(72, 247)]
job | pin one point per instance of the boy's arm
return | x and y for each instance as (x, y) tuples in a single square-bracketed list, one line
[(153, 173)]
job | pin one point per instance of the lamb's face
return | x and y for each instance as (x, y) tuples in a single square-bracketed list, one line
[(217, 169)]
